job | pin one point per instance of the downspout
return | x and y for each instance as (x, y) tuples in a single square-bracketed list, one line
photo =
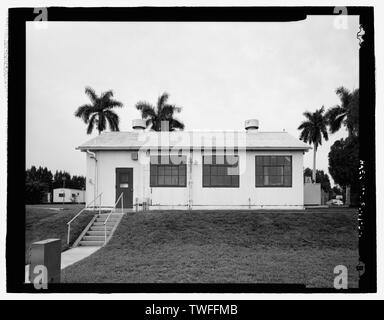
[(93, 156), (190, 182)]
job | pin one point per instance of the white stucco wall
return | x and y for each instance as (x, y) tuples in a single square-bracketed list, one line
[(103, 179), (247, 196)]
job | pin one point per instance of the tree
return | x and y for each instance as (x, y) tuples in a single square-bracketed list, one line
[(344, 165), (162, 112), (45, 176), (40, 181), (312, 131), (62, 179), (37, 183), (34, 191), (78, 182), (347, 113), (337, 190), (99, 111), (321, 177)]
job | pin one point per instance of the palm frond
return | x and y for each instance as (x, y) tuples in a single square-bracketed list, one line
[(91, 94), (114, 103), (101, 121), (161, 101), (112, 119), (91, 123), (156, 124), (344, 95), (308, 115), (175, 124), (335, 117), (352, 119), (304, 135), (148, 123), (84, 112), (324, 131), (304, 125), (146, 109), (167, 112), (105, 96)]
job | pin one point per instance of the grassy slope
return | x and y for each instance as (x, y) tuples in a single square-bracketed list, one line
[(44, 223), (226, 246)]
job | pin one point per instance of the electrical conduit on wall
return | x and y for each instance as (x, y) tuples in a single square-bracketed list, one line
[(95, 183)]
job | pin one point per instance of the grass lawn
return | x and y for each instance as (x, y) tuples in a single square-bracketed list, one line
[(44, 222), (226, 247)]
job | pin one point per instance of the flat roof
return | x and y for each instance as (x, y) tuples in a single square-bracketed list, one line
[(135, 140)]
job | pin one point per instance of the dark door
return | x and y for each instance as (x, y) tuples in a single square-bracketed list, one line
[(124, 183)]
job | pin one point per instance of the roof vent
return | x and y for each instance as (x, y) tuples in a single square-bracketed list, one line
[(252, 124), (138, 124)]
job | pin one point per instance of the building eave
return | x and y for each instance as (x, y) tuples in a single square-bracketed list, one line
[(119, 148)]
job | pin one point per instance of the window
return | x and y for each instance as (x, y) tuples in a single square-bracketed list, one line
[(165, 173), (221, 171), (61, 195), (273, 171)]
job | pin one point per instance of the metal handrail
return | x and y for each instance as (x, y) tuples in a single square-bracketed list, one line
[(81, 211), (106, 220)]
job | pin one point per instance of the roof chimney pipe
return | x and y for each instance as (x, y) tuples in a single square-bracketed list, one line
[(252, 125), (138, 124)]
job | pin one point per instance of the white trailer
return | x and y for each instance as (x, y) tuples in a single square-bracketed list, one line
[(67, 195)]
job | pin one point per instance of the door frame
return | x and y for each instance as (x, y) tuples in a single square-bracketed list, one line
[(126, 204)]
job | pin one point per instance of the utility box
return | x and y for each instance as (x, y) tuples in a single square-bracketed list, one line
[(135, 156), (312, 194), (46, 253)]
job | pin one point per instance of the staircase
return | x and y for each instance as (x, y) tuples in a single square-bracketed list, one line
[(94, 234)]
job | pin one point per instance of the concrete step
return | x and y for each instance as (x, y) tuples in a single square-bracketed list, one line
[(97, 233), (111, 218), (100, 228), (91, 243), (103, 220), (93, 238), (109, 223), (104, 215)]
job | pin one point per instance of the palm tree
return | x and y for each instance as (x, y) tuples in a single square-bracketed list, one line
[(99, 111), (312, 131), (162, 112), (347, 113)]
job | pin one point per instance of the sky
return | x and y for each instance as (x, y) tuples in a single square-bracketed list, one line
[(219, 73)]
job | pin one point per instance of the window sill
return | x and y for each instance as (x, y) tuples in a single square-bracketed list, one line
[(274, 186)]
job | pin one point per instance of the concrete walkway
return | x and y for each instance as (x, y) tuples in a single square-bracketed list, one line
[(69, 257), (76, 254)]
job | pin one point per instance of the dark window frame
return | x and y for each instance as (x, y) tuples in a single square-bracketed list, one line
[(171, 168), (234, 178), (274, 165)]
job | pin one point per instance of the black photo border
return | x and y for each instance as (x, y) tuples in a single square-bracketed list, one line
[(15, 240)]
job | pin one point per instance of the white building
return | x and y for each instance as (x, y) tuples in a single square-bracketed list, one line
[(196, 170), (67, 195)]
